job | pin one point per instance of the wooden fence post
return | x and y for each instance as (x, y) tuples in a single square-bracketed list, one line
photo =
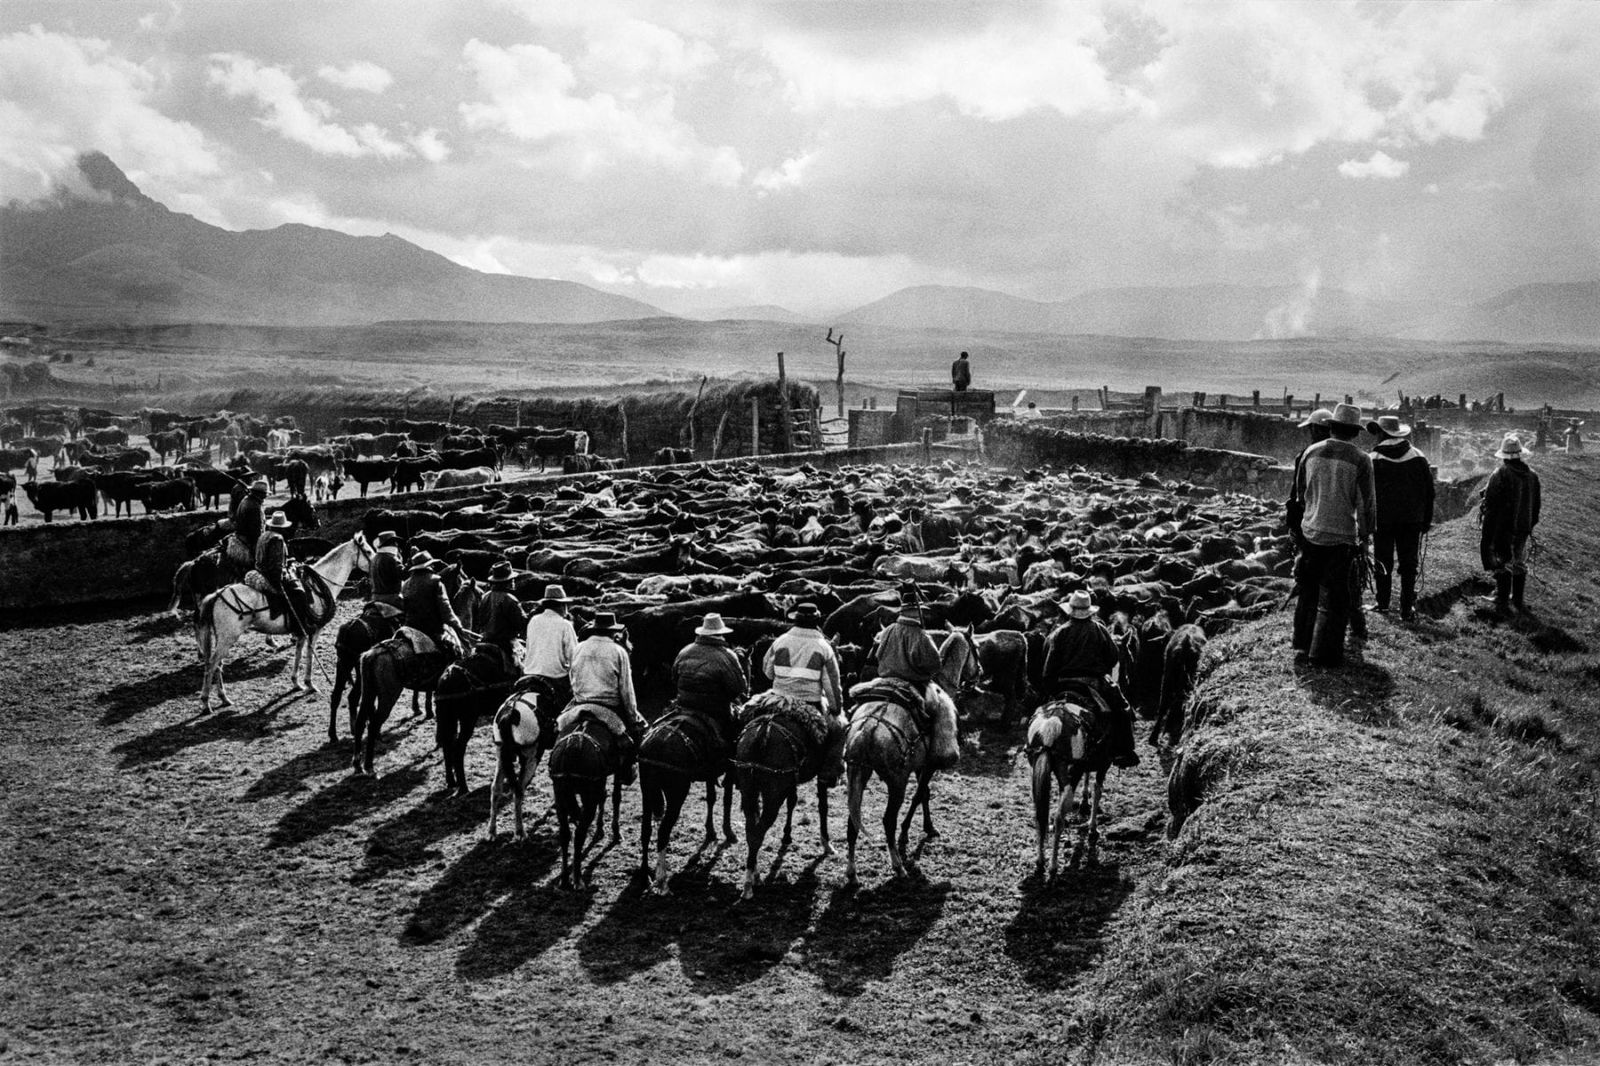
[(622, 406), (755, 426), (927, 446), (694, 409), (722, 424)]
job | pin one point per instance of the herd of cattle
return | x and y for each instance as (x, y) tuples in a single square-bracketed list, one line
[(661, 548), (189, 461)]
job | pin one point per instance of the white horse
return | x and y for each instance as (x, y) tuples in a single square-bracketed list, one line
[(230, 612)]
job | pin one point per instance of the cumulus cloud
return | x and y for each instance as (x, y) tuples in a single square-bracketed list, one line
[(62, 95), (786, 175), (1378, 165), (429, 146), (304, 120), (532, 93), (358, 76)]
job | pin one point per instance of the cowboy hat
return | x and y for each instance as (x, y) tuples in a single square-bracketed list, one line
[(554, 594), (605, 622), (1320, 417), (713, 626), (1079, 604), (258, 487), (501, 574), (1510, 448), (422, 561), (279, 520), (806, 615), (1346, 414), (1388, 426), (387, 539)]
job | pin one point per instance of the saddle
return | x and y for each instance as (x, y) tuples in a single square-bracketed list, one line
[(1079, 717), (236, 554), (489, 666), (808, 718), (895, 691), (707, 738), (577, 712), (418, 658)]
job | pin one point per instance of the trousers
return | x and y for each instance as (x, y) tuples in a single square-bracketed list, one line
[(1322, 612)]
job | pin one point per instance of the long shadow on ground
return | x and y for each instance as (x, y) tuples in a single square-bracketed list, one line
[(1056, 935), (342, 803), (1358, 690), (526, 924), (487, 873), (723, 944), (861, 933), (323, 760), (990, 751), (407, 839), (122, 702), (169, 740)]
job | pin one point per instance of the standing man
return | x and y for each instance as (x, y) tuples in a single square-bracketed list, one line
[(550, 643), (1335, 482), (1510, 511), (1305, 610), (387, 573), (1403, 484), (804, 667), (709, 677), (1082, 649), (602, 675), (961, 373)]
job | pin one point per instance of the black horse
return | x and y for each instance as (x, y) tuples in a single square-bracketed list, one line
[(468, 689)]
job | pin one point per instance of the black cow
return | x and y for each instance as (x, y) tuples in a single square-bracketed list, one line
[(211, 485), (296, 472), (488, 456), (168, 442), (48, 497), (364, 425), (166, 495), (408, 472), (366, 472), (672, 456)]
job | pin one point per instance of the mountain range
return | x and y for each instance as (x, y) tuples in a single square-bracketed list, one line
[(114, 254)]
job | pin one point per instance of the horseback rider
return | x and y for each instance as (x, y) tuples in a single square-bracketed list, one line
[(502, 616), (549, 644), (709, 677), (903, 649), (804, 667), (248, 517), (1081, 651), (387, 572), (427, 606), (602, 674), (273, 575)]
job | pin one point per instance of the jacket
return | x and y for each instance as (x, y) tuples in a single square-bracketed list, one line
[(602, 673), (906, 651), (1335, 481), (502, 618), (708, 676), (248, 519), (961, 372), (272, 555), (1079, 647), (548, 645), (386, 577), (1403, 484), (1510, 505), (426, 606), (803, 666)]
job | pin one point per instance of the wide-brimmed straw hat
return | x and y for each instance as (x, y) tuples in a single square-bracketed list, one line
[(713, 626), (1079, 605), (1320, 417), (1510, 448), (501, 574), (554, 594), (1388, 426), (1346, 414), (806, 615), (279, 520)]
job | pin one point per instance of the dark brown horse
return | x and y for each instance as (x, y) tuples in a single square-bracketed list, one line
[(680, 748), (776, 753), (354, 639), (580, 762), (468, 690)]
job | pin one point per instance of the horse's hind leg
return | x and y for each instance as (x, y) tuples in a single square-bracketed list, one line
[(920, 798), (341, 677), (727, 809), (616, 810), (711, 811), (1061, 823), (857, 787), (1093, 855), (822, 818), (891, 815)]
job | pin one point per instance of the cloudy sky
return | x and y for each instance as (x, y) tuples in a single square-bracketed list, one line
[(823, 153)]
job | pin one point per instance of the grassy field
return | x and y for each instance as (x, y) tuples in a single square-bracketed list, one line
[(513, 358)]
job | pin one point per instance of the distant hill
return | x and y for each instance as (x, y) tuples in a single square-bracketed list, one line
[(1564, 313), (750, 313), (120, 256), (1560, 312)]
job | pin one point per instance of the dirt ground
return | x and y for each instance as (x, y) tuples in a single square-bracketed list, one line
[(181, 888)]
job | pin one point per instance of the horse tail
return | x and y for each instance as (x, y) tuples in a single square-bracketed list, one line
[(205, 625), (1041, 782), (367, 686), (505, 726), (180, 583)]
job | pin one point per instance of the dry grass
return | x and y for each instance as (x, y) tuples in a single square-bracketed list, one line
[(1404, 866)]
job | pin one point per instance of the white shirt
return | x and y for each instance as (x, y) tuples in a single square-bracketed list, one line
[(548, 645)]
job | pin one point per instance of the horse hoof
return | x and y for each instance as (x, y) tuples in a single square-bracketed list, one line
[(828, 851), (931, 834), (730, 839)]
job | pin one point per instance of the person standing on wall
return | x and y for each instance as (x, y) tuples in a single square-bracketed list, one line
[(1403, 482), (961, 373)]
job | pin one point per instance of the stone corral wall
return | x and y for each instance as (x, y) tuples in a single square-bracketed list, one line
[(1260, 433), (1019, 445), (110, 560)]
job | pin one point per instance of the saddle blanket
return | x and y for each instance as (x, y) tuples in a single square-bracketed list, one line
[(418, 641), (891, 690), (805, 715), (598, 711)]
